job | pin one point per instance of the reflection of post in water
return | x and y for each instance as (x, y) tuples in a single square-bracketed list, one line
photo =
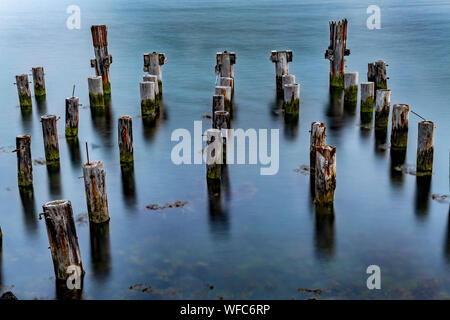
[(41, 103), (54, 178), (128, 184), (335, 109), (291, 126), (225, 181), (276, 107), (73, 144), (218, 217), (324, 235), (29, 208), (102, 120), (27, 121), (380, 140), (100, 249), (446, 244), (150, 123), (423, 184), (398, 157), (64, 293), (1, 259)]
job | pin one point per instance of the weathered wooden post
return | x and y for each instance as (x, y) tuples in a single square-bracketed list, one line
[(350, 89), (96, 98), (287, 79), (225, 64), (149, 106), (214, 154), (62, 237), (221, 120), (399, 133), (425, 148), (50, 133), (292, 99), (336, 52), (217, 105), (325, 176), (382, 108), (24, 161), (226, 92), (367, 101), (377, 73), (72, 117), (227, 82), (102, 60), (125, 136), (23, 89), (153, 78), (318, 134), (95, 187), (281, 60), (38, 81), (152, 64)]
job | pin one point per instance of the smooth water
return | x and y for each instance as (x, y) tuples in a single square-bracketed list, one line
[(265, 240)]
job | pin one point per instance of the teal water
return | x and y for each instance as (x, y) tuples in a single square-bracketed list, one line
[(265, 241)]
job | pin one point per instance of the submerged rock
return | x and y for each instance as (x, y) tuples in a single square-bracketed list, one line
[(8, 296)]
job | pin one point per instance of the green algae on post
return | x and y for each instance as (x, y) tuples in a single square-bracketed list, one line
[(291, 99), (399, 132), (24, 161), (281, 60), (425, 147), (23, 90), (376, 72), (71, 129), (149, 105), (350, 89), (96, 98), (125, 136), (95, 187), (50, 133), (38, 81), (382, 108)]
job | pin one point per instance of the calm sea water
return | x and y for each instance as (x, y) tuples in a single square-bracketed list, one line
[(265, 241)]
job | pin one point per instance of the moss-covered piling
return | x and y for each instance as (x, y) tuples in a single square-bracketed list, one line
[(425, 147)]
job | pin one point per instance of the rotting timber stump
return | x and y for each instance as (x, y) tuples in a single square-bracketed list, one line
[(72, 117), (62, 237), (125, 136), (149, 105), (152, 64), (50, 133), (96, 98), (226, 92), (336, 52), (351, 89), (225, 64), (382, 108), (214, 154), (376, 72), (325, 176), (102, 60), (23, 90), (153, 78), (281, 60), (399, 133), (291, 99), (367, 101), (318, 134), (95, 187), (38, 81), (425, 147), (24, 161), (218, 104)]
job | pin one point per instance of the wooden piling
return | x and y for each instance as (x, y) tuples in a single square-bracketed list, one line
[(337, 51), (425, 148), (218, 104), (214, 153), (367, 101), (287, 79), (225, 64), (399, 132), (226, 92), (227, 82), (377, 73), (24, 161), (23, 89), (221, 120), (325, 175), (382, 108), (102, 60), (350, 89), (318, 134), (291, 99), (96, 98), (152, 64), (281, 60), (62, 237), (50, 133), (152, 78), (38, 81), (149, 105), (125, 136), (95, 187), (72, 117)]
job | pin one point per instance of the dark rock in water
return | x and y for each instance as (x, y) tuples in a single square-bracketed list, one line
[(8, 296)]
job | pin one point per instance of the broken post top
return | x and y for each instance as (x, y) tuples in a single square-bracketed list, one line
[(93, 164), (56, 203), (275, 55), (154, 58), (338, 39), (48, 117), (99, 36), (220, 56)]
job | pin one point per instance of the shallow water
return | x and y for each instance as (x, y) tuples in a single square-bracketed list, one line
[(265, 240)]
